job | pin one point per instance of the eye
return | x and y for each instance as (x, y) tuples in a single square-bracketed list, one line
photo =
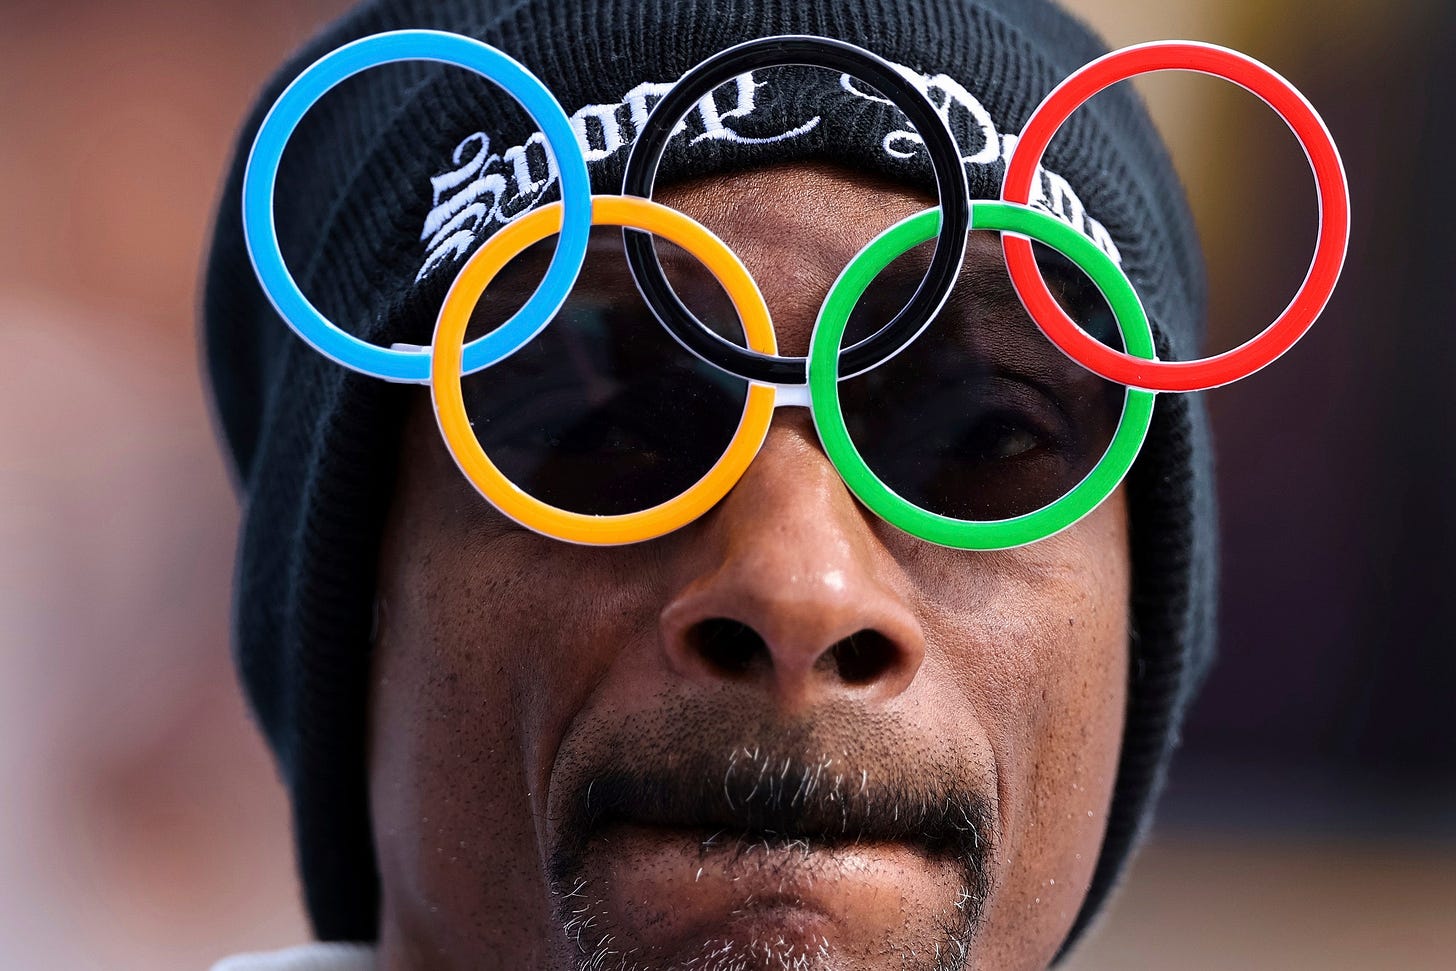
[(999, 437), (1012, 442)]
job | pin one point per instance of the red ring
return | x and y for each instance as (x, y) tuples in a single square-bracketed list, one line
[(1324, 269)]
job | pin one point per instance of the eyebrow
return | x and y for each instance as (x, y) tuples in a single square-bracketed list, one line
[(983, 290)]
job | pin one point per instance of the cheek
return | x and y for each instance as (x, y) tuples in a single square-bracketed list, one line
[(1034, 642), (485, 647), (447, 779)]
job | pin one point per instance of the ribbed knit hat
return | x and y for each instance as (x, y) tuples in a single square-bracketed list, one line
[(395, 177)]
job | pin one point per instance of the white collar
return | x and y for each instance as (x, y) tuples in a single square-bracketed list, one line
[(309, 957)]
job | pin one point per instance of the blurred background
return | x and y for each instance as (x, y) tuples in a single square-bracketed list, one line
[(1311, 818)]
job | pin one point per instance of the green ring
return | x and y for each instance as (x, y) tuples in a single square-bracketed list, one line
[(1132, 428)]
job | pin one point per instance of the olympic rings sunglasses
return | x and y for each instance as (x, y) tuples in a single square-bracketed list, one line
[(601, 430)]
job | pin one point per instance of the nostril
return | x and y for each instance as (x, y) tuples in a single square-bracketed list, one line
[(725, 649), (729, 646), (862, 658)]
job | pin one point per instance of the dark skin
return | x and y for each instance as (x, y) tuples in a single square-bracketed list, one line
[(552, 726)]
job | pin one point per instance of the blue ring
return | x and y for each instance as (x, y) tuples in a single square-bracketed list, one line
[(261, 175)]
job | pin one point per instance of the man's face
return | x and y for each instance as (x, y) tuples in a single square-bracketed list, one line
[(786, 736)]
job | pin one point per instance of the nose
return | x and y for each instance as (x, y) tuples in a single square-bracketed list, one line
[(791, 592)]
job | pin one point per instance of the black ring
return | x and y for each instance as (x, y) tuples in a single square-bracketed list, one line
[(950, 179)]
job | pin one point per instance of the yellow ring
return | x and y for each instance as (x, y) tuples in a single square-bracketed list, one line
[(449, 341)]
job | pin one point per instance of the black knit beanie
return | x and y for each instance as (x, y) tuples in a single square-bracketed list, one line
[(395, 177)]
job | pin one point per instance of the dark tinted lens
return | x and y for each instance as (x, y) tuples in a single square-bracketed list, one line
[(982, 418), (604, 413)]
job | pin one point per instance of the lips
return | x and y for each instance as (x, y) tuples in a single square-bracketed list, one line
[(776, 823), (761, 899), (777, 803)]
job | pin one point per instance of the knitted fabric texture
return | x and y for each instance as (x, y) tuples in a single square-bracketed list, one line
[(380, 199)]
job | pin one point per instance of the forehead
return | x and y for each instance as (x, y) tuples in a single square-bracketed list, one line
[(811, 201)]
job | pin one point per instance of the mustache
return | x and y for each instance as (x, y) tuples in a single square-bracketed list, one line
[(782, 790), (759, 794)]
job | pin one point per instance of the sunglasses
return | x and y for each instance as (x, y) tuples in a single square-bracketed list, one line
[(973, 415), (978, 434)]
